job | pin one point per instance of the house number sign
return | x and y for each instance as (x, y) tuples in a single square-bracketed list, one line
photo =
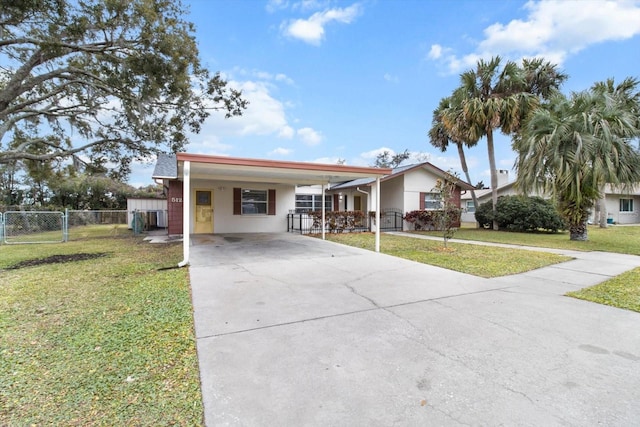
[(176, 200)]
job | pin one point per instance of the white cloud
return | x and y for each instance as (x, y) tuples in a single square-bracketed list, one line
[(264, 115), (280, 152), (207, 143), (327, 160), (286, 132), (312, 30), (309, 136), (275, 5), (283, 78), (264, 76), (553, 29), (391, 78), (435, 52)]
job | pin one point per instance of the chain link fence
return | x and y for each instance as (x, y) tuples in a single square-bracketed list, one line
[(41, 226), (33, 227)]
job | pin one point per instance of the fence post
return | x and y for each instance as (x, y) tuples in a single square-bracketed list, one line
[(1, 228), (65, 225)]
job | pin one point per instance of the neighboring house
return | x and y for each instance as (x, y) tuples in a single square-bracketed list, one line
[(405, 189), (622, 205), (216, 194)]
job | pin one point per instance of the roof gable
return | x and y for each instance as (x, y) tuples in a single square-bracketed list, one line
[(401, 171)]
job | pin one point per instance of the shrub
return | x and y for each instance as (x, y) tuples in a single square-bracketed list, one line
[(339, 221), (521, 213), (484, 214), (430, 220)]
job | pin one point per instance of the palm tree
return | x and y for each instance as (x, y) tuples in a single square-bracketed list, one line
[(574, 146), (493, 99), (440, 135)]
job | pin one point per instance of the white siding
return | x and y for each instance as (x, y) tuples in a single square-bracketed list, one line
[(224, 221), (148, 205), (415, 182), (392, 196)]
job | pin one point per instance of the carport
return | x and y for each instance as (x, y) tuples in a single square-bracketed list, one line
[(223, 172)]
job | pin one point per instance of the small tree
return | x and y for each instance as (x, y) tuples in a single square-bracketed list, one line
[(449, 215)]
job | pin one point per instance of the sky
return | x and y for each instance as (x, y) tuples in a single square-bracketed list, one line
[(331, 80)]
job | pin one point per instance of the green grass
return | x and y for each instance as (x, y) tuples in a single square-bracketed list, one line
[(483, 261), (617, 239), (622, 291), (107, 341)]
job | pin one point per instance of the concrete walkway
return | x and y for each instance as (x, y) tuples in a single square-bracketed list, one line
[(295, 331)]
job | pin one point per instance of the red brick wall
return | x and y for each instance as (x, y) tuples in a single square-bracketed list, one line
[(174, 206), (456, 201)]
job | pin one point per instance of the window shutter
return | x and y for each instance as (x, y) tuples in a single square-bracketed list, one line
[(271, 202), (237, 201), (422, 196), (336, 202)]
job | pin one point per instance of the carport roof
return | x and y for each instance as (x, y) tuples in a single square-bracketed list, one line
[(265, 171)]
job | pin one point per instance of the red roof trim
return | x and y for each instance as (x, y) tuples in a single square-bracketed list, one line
[(238, 161)]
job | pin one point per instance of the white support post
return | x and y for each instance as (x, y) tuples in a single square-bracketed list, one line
[(323, 214), (378, 214), (186, 218)]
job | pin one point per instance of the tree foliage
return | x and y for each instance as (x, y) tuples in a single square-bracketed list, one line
[(576, 145), (495, 97), (448, 125), (115, 79), (388, 160)]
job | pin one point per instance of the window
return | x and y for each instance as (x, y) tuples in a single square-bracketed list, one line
[(247, 201), (626, 205), (254, 202), (432, 201), (312, 202), (470, 206)]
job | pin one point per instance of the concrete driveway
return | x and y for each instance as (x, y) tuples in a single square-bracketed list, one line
[(295, 331)]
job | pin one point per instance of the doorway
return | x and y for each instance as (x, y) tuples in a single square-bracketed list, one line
[(357, 203), (204, 212)]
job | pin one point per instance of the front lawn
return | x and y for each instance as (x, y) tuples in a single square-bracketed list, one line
[(622, 291), (94, 333), (483, 261), (619, 239)]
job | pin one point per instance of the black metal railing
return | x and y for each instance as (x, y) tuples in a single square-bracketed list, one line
[(343, 222)]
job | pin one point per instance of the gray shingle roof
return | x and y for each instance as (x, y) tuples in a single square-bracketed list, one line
[(166, 166), (367, 181)]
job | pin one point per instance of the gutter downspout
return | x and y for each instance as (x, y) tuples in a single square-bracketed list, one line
[(186, 221), (323, 214), (361, 191), (378, 214)]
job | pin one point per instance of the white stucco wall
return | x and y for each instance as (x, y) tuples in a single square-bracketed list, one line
[(392, 196), (224, 221), (613, 209), (415, 182)]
